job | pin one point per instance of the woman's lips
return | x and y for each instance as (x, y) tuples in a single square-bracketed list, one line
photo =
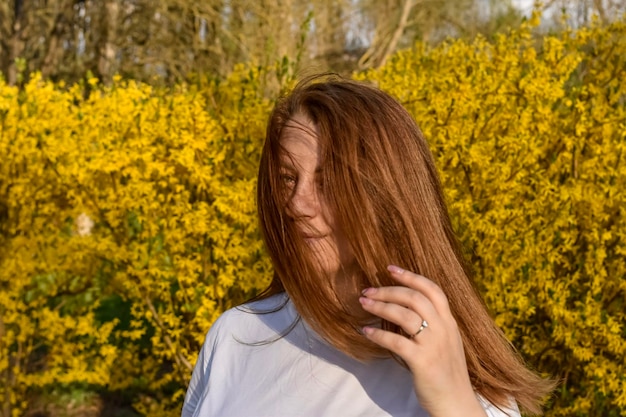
[(309, 238)]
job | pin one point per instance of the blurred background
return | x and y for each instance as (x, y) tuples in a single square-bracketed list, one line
[(165, 41)]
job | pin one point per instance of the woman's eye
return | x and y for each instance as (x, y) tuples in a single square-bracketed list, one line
[(288, 179)]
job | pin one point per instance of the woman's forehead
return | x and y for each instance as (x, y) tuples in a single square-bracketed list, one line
[(299, 139), (299, 124)]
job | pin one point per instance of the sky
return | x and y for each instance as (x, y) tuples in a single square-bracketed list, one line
[(526, 6)]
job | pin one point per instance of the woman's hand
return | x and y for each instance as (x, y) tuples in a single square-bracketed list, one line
[(434, 351)]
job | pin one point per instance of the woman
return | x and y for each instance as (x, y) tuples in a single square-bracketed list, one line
[(347, 192)]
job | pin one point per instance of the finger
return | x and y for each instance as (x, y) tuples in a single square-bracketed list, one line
[(422, 284), (400, 345), (407, 319), (403, 296)]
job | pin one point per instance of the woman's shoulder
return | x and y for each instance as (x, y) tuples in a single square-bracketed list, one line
[(266, 305), (256, 319), (272, 306), (230, 339)]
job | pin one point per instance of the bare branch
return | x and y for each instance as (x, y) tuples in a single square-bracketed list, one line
[(178, 357)]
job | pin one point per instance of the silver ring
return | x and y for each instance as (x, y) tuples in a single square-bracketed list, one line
[(420, 330)]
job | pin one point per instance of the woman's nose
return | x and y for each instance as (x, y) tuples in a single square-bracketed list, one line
[(304, 201)]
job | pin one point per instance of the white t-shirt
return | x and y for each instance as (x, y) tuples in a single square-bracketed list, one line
[(249, 367)]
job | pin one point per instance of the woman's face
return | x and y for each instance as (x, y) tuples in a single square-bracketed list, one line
[(301, 176)]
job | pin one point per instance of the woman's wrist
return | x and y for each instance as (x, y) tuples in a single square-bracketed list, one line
[(469, 406)]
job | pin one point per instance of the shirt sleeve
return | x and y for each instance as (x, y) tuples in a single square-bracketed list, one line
[(492, 411), (199, 383)]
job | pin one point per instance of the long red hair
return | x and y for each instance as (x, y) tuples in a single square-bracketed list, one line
[(381, 183)]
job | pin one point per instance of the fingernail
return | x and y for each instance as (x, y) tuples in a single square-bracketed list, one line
[(395, 269), (367, 330), (368, 291), (366, 301)]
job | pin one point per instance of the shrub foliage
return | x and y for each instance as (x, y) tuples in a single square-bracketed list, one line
[(127, 219)]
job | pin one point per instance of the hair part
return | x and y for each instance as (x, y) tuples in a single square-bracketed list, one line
[(381, 183)]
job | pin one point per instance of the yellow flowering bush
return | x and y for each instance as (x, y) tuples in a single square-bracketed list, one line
[(127, 218), (129, 226)]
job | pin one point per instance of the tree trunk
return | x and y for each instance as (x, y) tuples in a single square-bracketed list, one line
[(107, 49), (15, 51)]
